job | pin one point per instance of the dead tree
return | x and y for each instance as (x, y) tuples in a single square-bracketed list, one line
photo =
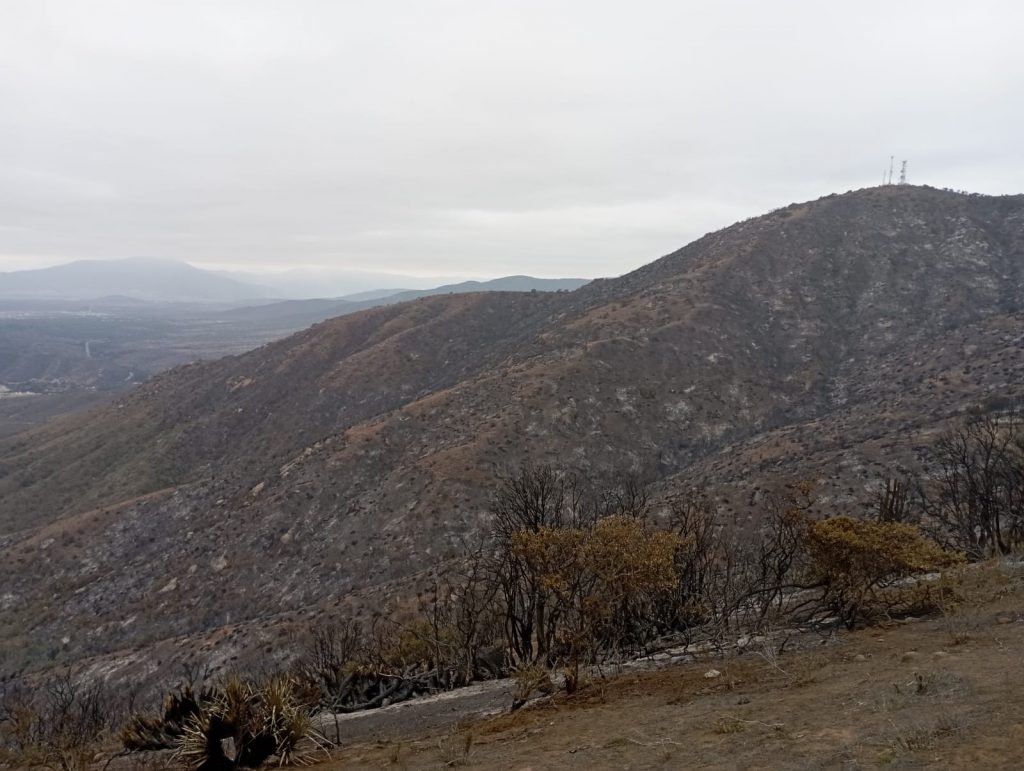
[(977, 497)]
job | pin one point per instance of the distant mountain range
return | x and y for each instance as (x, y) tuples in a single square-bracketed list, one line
[(333, 281), (140, 280), (298, 314), (137, 278), (70, 348)]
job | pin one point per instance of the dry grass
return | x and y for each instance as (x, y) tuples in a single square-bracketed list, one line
[(455, 748), (900, 694), (918, 737), (728, 724)]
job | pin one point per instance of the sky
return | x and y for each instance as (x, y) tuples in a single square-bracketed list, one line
[(478, 138)]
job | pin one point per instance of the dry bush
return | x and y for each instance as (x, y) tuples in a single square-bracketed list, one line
[(463, 622), (976, 501), (530, 678), (685, 606), (60, 722), (964, 594), (756, 572), (598, 584), (454, 640), (981, 583), (537, 498), (894, 501), (728, 724), (328, 659), (854, 560), (917, 737), (455, 748)]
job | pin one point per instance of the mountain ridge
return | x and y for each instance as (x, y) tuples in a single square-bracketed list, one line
[(360, 452), (136, 277), (301, 313)]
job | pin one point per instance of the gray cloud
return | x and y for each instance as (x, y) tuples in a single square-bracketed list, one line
[(478, 137)]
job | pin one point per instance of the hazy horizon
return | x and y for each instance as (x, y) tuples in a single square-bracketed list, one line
[(477, 140)]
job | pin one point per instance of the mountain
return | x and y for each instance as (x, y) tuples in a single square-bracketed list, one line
[(828, 340), (136, 278), (324, 281), (296, 314), (372, 294), (68, 349)]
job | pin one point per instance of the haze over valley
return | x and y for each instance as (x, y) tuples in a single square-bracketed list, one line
[(511, 385), (76, 333)]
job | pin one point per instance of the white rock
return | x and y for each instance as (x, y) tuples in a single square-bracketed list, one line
[(711, 674)]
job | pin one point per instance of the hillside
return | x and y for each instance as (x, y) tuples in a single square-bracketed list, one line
[(296, 314), (938, 693), (819, 339), (75, 351)]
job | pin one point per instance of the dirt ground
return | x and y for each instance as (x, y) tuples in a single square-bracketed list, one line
[(944, 692)]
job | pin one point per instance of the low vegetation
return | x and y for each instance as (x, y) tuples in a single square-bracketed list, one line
[(572, 576), (57, 722), (240, 724)]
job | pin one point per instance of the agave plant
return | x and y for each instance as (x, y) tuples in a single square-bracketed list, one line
[(238, 725), (163, 731)]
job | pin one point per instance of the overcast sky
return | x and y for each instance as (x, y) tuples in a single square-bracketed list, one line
[(477, 138)]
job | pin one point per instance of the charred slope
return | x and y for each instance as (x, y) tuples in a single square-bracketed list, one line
[(359, 452), (236, 417)]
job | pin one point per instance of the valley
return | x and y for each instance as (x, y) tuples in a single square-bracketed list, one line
[(825, 341), (80, 352), (511, 385), (792, 368)]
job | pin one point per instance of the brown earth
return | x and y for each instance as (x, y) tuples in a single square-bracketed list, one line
[(830, 340), (937, 693)]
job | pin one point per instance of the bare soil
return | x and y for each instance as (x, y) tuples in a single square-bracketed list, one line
[(942, 692)]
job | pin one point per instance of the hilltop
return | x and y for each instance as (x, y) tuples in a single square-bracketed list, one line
[(827, 339)]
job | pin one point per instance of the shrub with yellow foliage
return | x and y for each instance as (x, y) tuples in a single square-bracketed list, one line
[(598, 582), (854, 561)]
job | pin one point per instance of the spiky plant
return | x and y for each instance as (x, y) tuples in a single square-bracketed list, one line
[(201, 745), (239, 725), (162, 731), (285, 717), (292, 729)]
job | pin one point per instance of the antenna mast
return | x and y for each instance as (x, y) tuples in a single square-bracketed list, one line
[(892, 159), (903, 173)]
